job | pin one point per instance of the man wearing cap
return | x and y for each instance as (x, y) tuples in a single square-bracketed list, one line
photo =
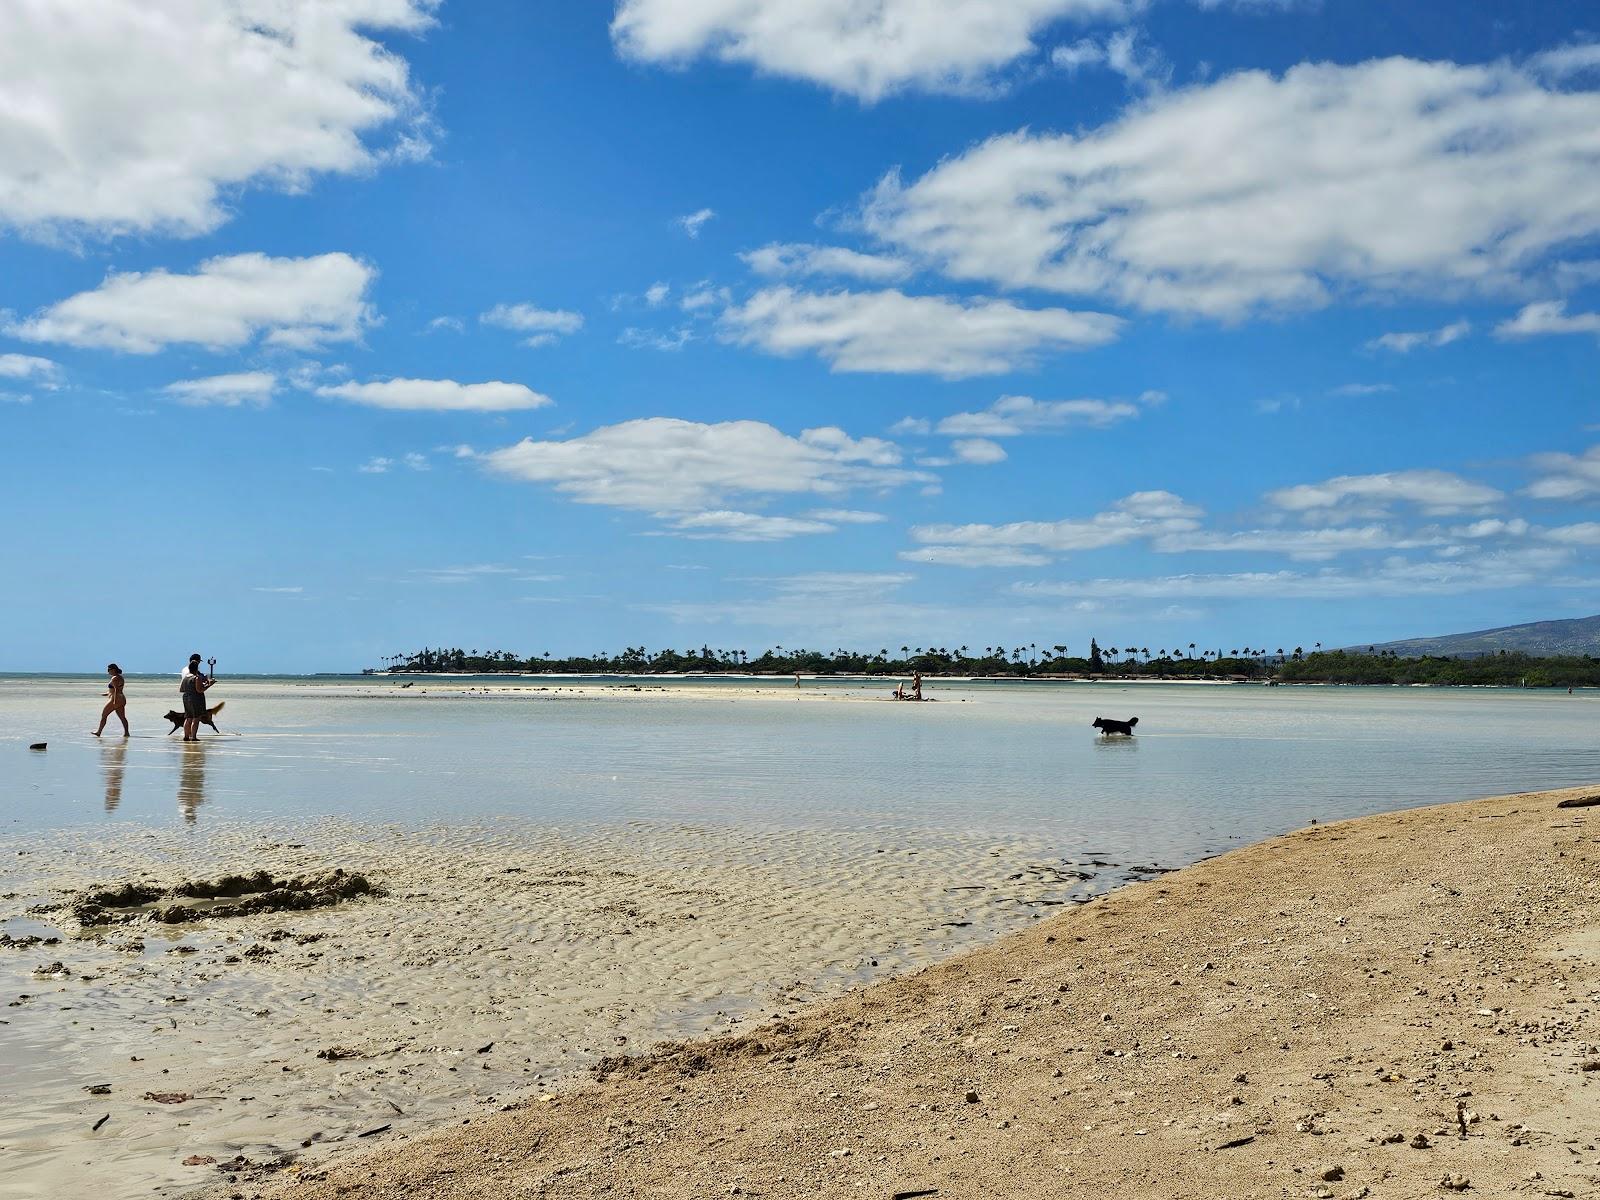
[(192, 687)]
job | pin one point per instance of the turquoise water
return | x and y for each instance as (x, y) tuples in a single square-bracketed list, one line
[(1212, 765)]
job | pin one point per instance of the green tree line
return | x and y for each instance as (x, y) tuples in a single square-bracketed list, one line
[(1188, 661)]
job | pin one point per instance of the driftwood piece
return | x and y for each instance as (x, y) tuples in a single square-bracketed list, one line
[(1579, 802)]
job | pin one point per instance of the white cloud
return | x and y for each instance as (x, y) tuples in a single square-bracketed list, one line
[(1142, 67), (667, 342), (704, 296), (1258, 191), (543, 325), (863, 50), (1492, 527), (1566, 476), (1431, 339), (1565, 61), (1140, 515), (792, 258), (728, 526), (452, 324), (1438, 493), (663, 464), (1547, 317), (694, 222), (892, 332), (1396, 577), (1361, 389), (376, 466), (279, 591), (437, 395), (466, 573), (299, 303), (1012, 416), (125, 116), (977, 450), (1583, 533), (241, 387), (974, 556), (656, 294), (845, 516), (1296, 543), (27, 366)]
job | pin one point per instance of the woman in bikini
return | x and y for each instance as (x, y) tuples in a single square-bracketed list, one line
[(118, 703)]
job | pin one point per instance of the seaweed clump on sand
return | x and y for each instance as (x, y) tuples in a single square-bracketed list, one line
[(225, 896)]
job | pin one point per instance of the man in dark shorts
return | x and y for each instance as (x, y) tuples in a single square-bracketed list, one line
[(193, 690)]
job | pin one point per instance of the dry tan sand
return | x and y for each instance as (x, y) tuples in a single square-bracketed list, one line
[(1399, 1006)]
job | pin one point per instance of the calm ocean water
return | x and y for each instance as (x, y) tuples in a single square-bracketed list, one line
[(1212, 766)]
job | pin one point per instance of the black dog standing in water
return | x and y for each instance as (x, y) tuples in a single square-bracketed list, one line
[(209, 718), (1108, 727)]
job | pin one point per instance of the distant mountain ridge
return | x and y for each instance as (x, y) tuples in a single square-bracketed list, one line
[(1580, 635)]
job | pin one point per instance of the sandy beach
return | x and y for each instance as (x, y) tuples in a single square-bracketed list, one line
[(1402, 1005)]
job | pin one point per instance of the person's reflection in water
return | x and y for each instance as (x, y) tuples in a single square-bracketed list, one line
[(192, 780), (114, 761)]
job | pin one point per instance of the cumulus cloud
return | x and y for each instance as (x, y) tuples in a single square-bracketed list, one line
[(1266, 192), (667, 341), (1582, 533), (977, 450), (664, 464), (1396, 577), (891, 332), (975, 556), (694, 222), (791, 258), (1430, 339), (300, 303), (728, 526), (1548, 317), (1138, 516), (1566, 476), (124, 116), (846, 516), (1012, 416), (1141, 67), (542, 325), (437, 395), (230, 391), (42, 371), (1492, 527), (1437, 493), (1305, 544), (862, 50)]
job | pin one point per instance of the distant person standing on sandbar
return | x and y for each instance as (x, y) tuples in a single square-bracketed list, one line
[(192, 688), (118, 702)]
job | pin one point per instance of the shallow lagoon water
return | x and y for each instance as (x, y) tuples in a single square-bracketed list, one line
[(1211, 764), (821, 836)]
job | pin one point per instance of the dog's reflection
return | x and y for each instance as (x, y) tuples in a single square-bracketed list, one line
[(192, 780), (114, 762)]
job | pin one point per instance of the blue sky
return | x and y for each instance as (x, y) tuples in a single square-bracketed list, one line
[(330, 330)]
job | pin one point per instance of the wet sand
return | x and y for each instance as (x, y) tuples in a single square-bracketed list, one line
[(498, 959), (1403, 1005)]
